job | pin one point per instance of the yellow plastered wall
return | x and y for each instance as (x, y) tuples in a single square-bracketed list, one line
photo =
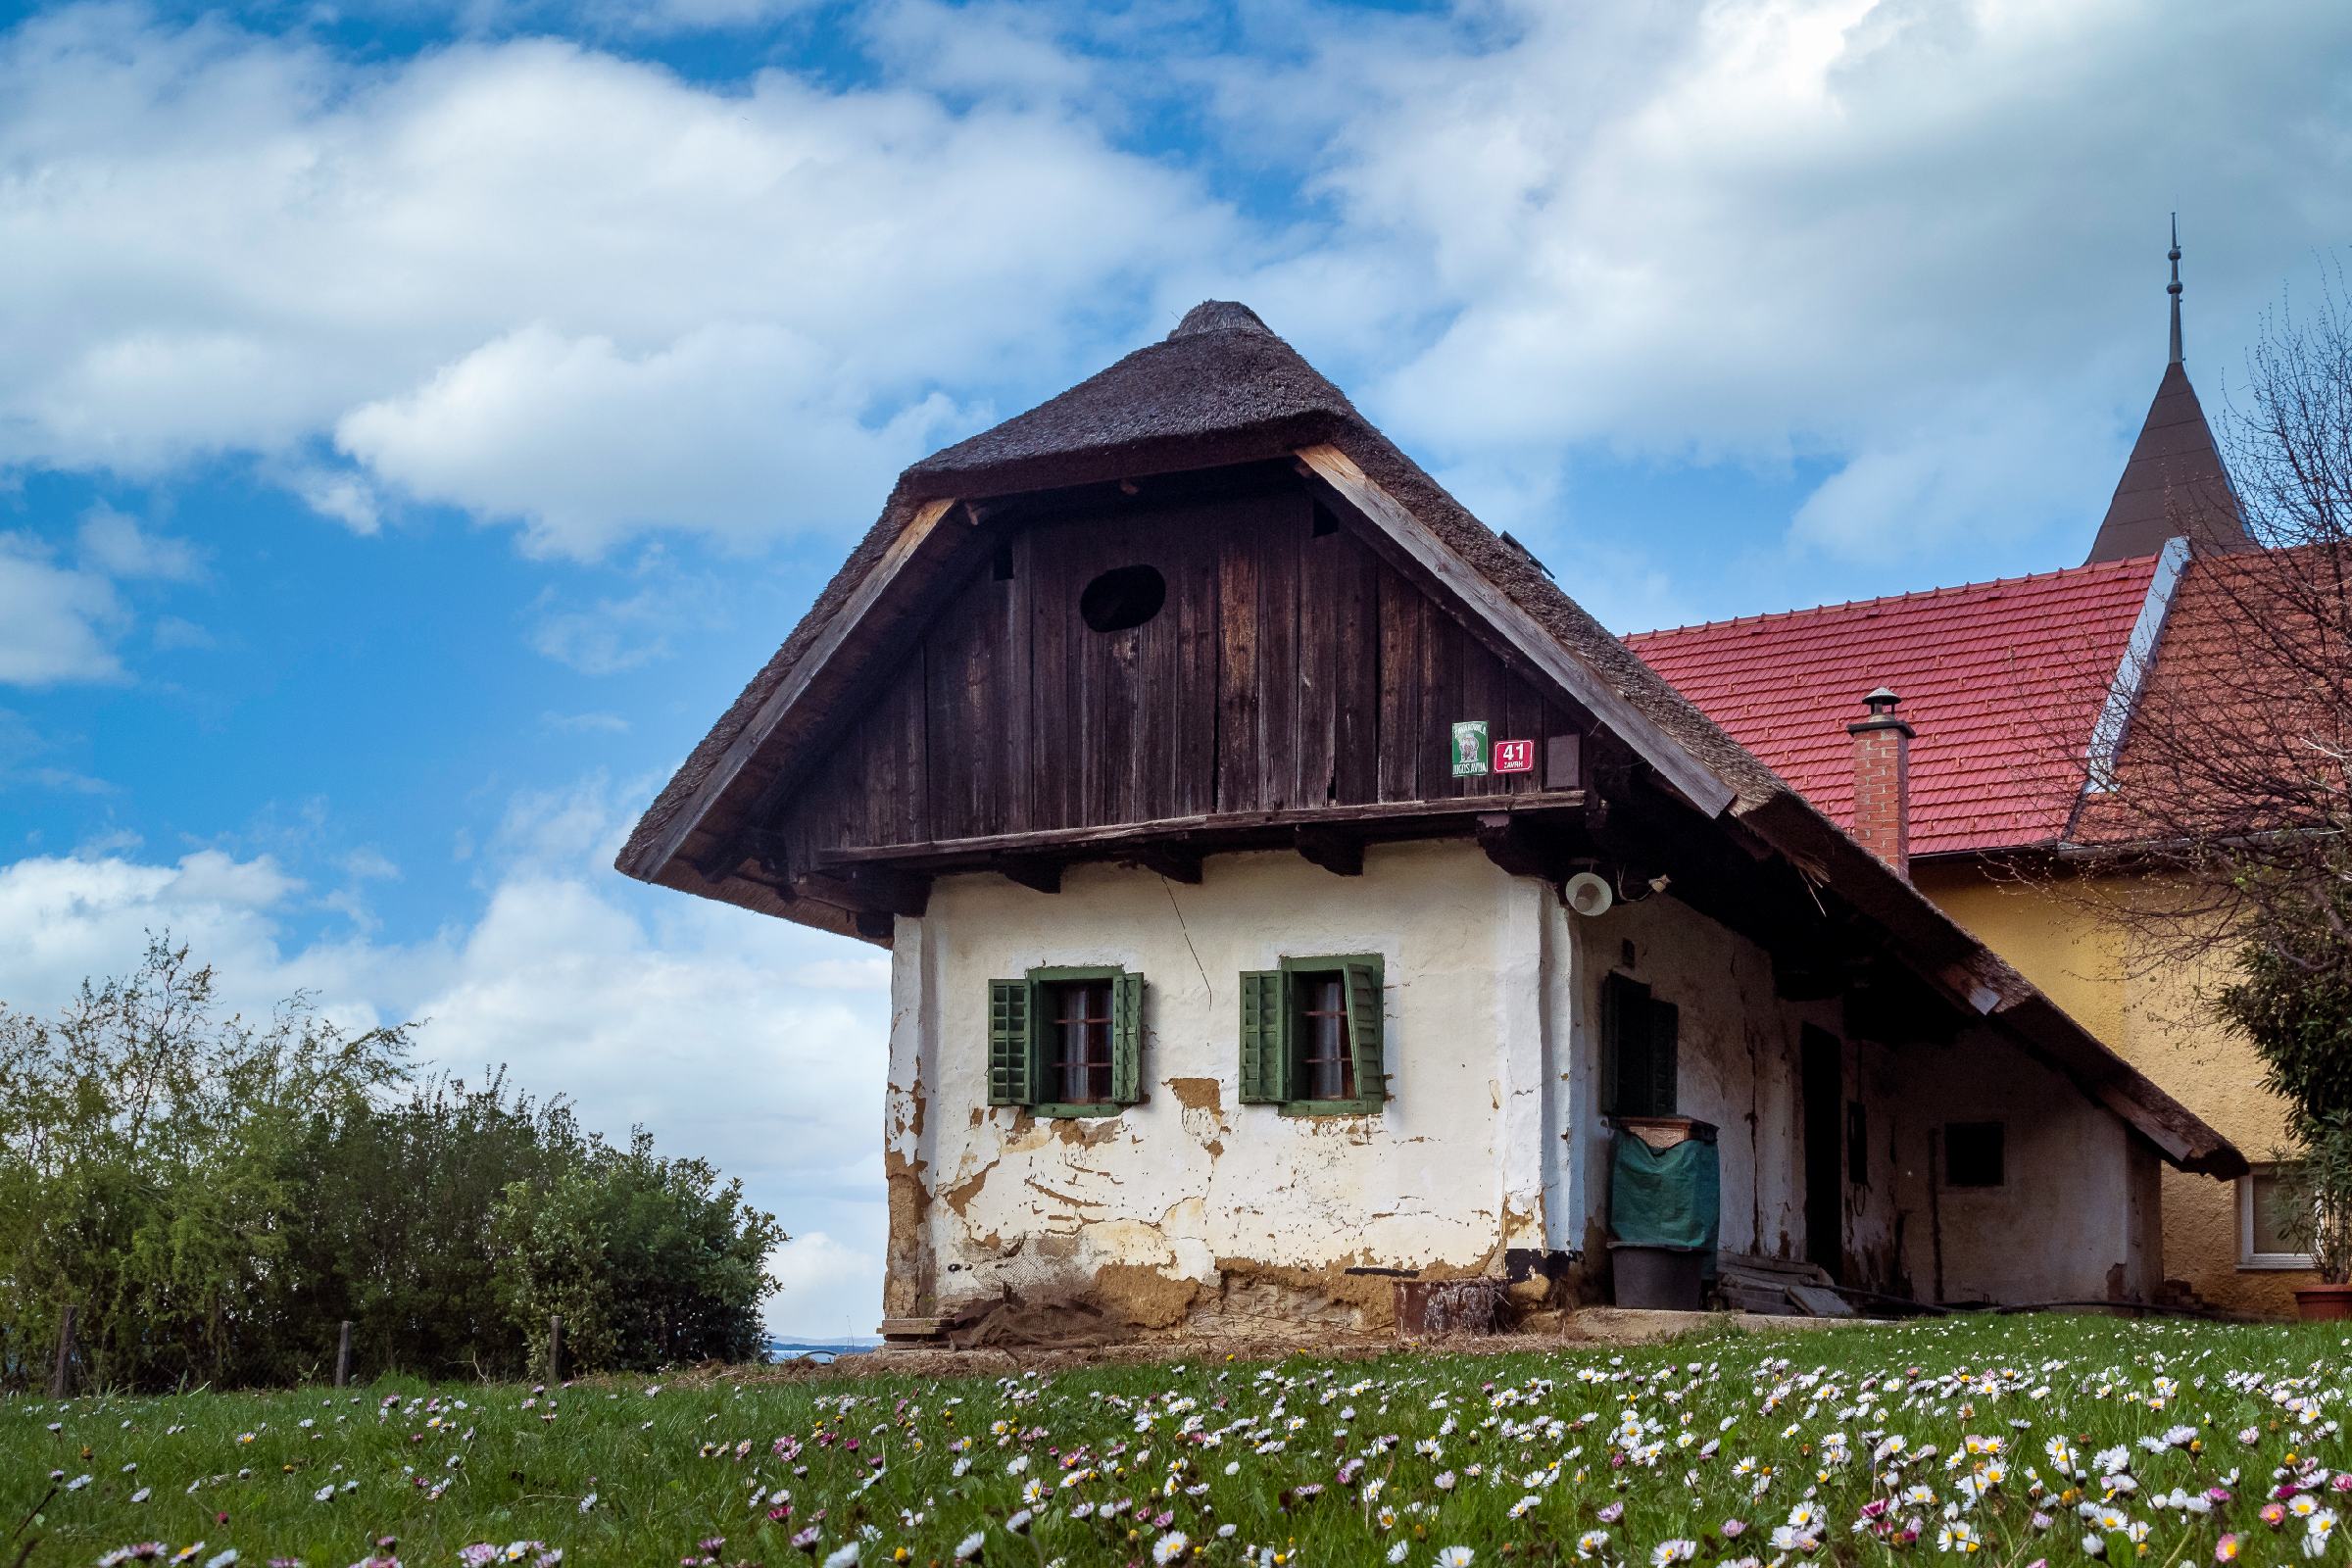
[(2159, 1022)]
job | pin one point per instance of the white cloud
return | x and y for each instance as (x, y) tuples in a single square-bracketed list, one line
[(609, 635), (1921, 241), (741, 1038), (116, 544), (734, 429), (62, 622), (538, 281), (56, 622)]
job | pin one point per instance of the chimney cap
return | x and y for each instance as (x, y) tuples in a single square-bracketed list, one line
[(1883, 716)]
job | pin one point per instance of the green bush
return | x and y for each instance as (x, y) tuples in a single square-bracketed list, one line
[(217, 1197)]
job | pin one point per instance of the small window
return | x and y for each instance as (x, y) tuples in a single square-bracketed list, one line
[(2266, 1221), (1641, 1050), (1311, 1036), (1078, 1044), (1124, 598), (1066, 1042), (1324, 1069), (1974, 1154)]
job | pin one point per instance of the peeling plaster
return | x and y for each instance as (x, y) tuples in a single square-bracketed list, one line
[(1192, 1212)]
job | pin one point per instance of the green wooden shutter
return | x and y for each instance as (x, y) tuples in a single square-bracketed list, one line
[(1364, 1030), (1011, 1007), (1665, 1056), (1127, 1039), (1265, 1038)]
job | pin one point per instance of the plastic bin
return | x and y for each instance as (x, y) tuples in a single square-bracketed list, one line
[(1670, 1278)]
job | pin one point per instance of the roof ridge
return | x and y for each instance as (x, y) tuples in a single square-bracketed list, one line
[(2114, 567)]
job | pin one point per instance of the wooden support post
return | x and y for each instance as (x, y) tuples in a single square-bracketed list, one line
[(555, 1348), (343, 1356), (61, 1375), (1340, 854)]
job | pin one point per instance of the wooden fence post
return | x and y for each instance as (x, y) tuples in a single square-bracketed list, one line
[(61, 1375), (555, 1348), (343, 1356)]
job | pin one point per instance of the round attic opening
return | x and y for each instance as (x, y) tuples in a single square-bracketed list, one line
[(1124, 598)]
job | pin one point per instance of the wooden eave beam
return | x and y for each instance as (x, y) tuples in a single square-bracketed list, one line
[(1511, 844), (1411, 546), (1177, 862), (1340, 853), (867, 890), (1037, 873), (1206, 833)]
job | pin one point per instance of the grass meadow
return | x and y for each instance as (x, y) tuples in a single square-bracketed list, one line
[(2013, 1440)]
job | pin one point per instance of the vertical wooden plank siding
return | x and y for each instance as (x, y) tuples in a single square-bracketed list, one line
[(1237, 672), (1319, 690), (1285, 671), (1278, 536), (1400, 674), (1195, 601), (1355, 705)]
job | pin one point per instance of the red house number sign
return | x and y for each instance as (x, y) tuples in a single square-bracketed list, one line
[(1514, 756)]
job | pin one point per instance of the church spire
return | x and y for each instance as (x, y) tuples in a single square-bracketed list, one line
[(2173, 289), (2175, 482)]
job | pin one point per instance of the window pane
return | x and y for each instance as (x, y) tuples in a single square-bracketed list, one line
[(1081, 1065), (2272, 1190), (1325, 1068)]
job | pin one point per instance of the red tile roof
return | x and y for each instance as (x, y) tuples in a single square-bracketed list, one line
[(2003, 681)]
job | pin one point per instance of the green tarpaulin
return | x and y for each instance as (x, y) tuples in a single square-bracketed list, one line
[(1665, 1198)]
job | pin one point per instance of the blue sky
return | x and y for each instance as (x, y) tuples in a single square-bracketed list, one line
[(417, 420)]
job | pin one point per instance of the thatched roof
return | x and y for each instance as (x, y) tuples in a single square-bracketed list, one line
[(1223, 388)]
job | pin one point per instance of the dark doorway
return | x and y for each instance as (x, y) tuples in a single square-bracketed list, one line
[(1824, 1089)]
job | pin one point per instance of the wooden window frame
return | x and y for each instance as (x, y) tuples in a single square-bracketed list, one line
[(1042, 1040), (1363, 978), (2249, 1261)]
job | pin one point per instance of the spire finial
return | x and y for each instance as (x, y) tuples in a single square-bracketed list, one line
[(2173, 289)]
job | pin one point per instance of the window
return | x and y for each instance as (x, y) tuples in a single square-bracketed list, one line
[(1311, 1036), (1078, 1042), (1974, 1154), (1066, 1042), (1640, 1049), (1122, 598), (2264, 1219)]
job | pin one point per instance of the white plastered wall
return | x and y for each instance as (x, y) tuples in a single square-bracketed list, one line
[(1738, 1061), (1194, 1210), (1159, 1213), (2074, 1220)]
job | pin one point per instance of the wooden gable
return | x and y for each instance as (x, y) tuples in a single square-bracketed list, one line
[(1289, 671)]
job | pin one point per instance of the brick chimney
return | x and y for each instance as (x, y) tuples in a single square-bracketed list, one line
[(1882, 781)]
